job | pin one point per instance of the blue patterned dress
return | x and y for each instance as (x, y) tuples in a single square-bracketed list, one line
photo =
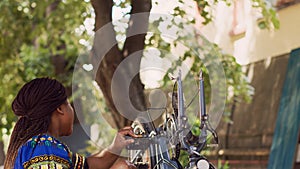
[(46, 152)]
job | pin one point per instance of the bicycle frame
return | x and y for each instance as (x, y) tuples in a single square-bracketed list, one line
[(159, 138)]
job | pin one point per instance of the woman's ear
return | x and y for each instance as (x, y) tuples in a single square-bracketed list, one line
[(59, 110)]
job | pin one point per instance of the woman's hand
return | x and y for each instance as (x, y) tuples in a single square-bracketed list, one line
[(108, 157), (120, 141)]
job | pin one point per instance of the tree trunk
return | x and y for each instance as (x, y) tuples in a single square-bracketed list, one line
[(2, 154), (109, 58)]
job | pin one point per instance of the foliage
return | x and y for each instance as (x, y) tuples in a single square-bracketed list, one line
[(269, 19), (32, 32), (223, 166), (196, 53)]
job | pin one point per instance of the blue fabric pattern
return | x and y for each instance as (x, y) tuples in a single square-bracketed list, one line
[(46, 152)]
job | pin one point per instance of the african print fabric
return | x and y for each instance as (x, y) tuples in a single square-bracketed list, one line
[(46, 152)]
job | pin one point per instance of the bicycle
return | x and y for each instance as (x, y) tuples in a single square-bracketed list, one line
[(163, 144)]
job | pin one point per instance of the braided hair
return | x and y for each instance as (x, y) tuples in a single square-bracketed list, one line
[(33, 105)]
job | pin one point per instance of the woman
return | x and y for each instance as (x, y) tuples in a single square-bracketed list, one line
[(44, 115)]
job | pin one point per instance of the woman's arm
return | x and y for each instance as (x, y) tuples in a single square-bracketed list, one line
[(108, 156)]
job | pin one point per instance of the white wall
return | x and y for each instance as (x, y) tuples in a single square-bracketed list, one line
[(255, 44)]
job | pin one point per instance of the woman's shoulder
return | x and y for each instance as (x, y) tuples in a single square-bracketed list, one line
[(43, 148), (45, 140)]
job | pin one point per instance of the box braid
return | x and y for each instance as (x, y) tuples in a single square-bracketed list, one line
[(33, 105)]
